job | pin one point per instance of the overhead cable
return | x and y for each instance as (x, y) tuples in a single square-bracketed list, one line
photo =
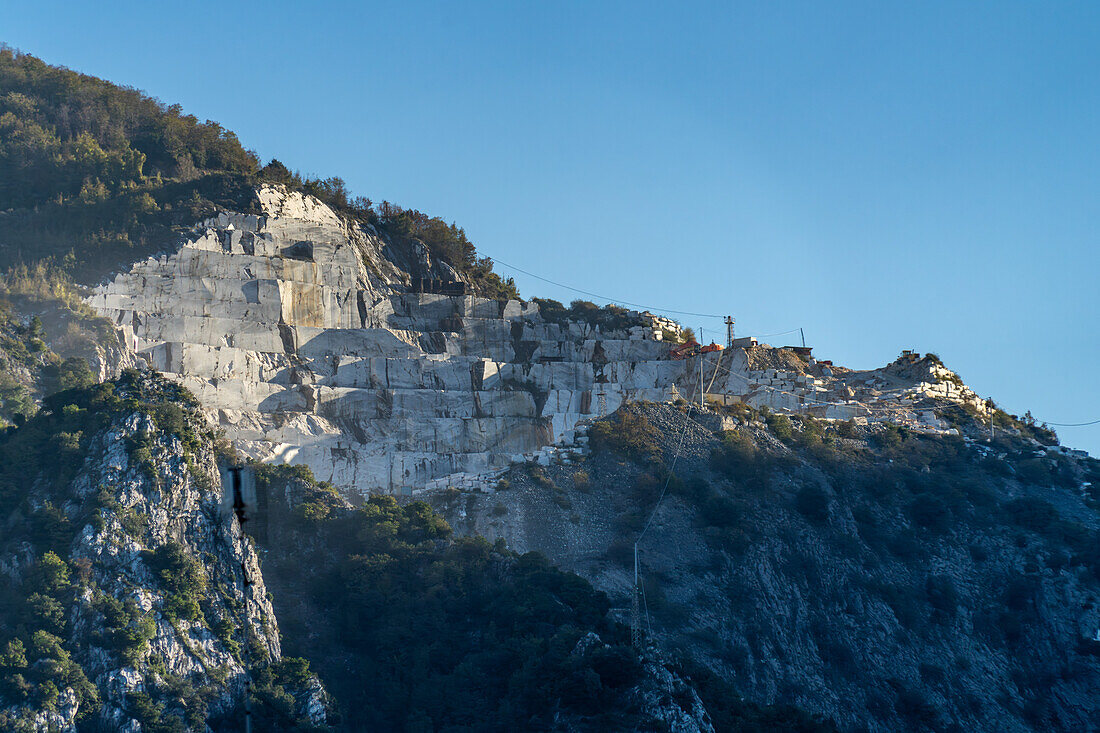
[(712, 315), (602, 297)]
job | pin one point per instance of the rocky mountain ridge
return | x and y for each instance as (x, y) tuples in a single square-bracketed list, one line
[(301, 333)]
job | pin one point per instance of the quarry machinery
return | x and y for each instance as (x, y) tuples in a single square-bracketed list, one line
[(684, 350)]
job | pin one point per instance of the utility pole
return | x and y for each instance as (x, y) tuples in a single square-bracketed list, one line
[(729, 332), (803, 336), (635, 609)]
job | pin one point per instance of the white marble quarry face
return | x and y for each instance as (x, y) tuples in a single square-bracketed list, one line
[(296, 331)]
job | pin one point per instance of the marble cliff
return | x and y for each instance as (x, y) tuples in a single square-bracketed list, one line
[(300, 334)]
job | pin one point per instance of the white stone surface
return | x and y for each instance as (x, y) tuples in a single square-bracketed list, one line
[(296, 331)]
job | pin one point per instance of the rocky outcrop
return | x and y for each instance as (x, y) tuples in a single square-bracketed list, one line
[(178, 507), (664, 698), (169, 615)]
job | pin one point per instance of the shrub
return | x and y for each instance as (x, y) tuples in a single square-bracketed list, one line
[(539, 476), (812, 502), (737, 458), (126, 629), (170, 418), (811, 434), (781, 427), (551, 310), (929, 512), (943, 597), (51, 574), (647, 487), (914, 705), (696, 489), (627, 433), (891, 437), (1020, 593), (1031, 513), (74, 373), (312, 512), (720, 511), (869, 528), (902, 601), (932, 674), (44, 612), (182, 576)]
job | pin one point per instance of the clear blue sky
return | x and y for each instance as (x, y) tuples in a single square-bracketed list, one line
[(884, 175)]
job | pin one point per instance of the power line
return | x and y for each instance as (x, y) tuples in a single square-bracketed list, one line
[(781, 333), (668, 478), (602, 297), (762, 336), (623, 302), (636, 620)]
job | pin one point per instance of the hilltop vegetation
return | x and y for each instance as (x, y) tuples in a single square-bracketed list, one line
[(93, 175)]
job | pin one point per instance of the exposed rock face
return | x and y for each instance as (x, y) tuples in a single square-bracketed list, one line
[(170, 615), (666, 699), (180, 505), (297, 332), (294, 329)]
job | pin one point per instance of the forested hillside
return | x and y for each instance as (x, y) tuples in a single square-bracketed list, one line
[(413, 628), (93, 175), (889, 579)]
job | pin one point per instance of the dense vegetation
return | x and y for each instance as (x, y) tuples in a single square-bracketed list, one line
[(413, 629), (91, 171), (971, 548), (93, 175)]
